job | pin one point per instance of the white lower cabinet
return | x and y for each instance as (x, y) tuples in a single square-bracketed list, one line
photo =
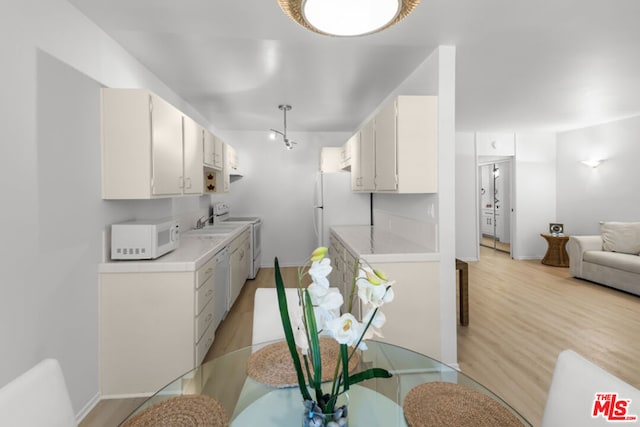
[(154, 327), (413, 317), (341, 276), (240, 264)]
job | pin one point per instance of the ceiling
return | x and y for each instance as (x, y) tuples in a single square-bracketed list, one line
[(520, 65)]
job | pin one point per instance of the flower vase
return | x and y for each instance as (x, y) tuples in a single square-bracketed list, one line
[(314, 417)]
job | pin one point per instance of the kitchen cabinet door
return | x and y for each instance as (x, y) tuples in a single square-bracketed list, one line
[(367, 158), (193, 152), (208, 149), (385, 149), (144, 152), (213, 151), (218, 153), (354, 144), (166, 148), (239, 259), (417, 144)]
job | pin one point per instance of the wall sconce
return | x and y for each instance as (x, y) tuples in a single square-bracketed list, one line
[(592, 163)]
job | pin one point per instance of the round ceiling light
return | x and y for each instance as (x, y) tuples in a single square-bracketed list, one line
[(347, 17)]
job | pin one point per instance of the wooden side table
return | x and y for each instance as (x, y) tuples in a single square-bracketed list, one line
[(556, 250), (463, 291)]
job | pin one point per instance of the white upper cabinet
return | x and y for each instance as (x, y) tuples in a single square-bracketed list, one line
[(193, 135), (417, 144), (218, 153), (208, 149), (386, 172), (150, 149), (363, 159), (398, 149), (213, 151), (166, 148), (141, 145)]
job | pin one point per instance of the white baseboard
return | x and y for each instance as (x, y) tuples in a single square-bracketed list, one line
[(88, 408)]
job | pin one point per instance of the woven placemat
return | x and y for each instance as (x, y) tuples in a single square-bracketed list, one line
[(182, 411), (272, 365), (441, 404)]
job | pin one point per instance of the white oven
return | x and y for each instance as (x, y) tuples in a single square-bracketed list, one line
[(221, 214)]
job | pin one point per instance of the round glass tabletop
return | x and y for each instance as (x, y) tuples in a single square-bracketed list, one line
[(375, 402)]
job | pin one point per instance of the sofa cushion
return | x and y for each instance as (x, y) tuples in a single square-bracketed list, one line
[(621, 237), (625, 262)]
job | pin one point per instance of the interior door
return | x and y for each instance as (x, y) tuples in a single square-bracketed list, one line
[(495, 205)]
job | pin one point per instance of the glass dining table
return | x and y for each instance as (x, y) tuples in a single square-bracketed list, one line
[(374, 402)]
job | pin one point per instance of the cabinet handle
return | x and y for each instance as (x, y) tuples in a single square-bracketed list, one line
[(209, 293), (188, 182), (209, 317), (209, 270)]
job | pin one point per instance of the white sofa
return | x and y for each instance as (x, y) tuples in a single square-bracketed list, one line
[(611, 258)]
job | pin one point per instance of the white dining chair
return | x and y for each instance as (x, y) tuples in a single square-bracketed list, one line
[(37, 398), (573, 393), (267, 325)]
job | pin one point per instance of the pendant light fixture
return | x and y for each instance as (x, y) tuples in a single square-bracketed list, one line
[(347, 17), (274, 133)]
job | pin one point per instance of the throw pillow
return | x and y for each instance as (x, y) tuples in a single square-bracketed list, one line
[(621, 237)]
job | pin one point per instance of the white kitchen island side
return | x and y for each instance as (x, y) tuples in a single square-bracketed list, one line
[(413, 318)]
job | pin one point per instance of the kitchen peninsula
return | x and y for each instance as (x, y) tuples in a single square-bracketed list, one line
[(158, 317), (413, 318)]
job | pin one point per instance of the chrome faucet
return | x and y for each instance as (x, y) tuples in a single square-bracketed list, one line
[(202, 222)]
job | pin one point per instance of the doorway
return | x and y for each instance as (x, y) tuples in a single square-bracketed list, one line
[(495, 179)]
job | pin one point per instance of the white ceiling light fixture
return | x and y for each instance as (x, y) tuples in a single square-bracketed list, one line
[(274, 133), (347, 18)]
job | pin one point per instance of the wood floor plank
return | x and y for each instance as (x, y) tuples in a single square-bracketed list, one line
[(523, 314)]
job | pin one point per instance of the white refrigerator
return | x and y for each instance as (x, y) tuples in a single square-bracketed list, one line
[(335, 204)]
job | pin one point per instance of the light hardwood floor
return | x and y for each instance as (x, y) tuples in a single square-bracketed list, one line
[(522, 314)]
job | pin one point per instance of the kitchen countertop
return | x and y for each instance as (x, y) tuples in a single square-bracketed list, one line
[(196, 248), (377, 245)]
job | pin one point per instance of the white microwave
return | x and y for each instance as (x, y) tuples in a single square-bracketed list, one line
[(144, 239)]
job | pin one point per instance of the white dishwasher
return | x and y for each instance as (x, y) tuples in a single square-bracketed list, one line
[(221, 286)]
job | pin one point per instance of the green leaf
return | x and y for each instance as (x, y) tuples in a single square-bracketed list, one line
[(369, 374), (314, 345), (344, 354), (288, 331)]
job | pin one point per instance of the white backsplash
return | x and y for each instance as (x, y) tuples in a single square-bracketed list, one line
[(420, 232)]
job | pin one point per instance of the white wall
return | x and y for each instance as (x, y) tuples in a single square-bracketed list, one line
[(278, 186), (436, 76), (54, 63), (607, 193), (467, 248), (535, 193)]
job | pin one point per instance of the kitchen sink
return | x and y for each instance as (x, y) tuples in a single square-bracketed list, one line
[(214, 230)]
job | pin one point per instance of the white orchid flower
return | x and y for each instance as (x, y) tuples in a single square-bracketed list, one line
[(319, 271), (327, 298), (326, 303), (345, 329), (374, 328), (373, 288), (299, 331)]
